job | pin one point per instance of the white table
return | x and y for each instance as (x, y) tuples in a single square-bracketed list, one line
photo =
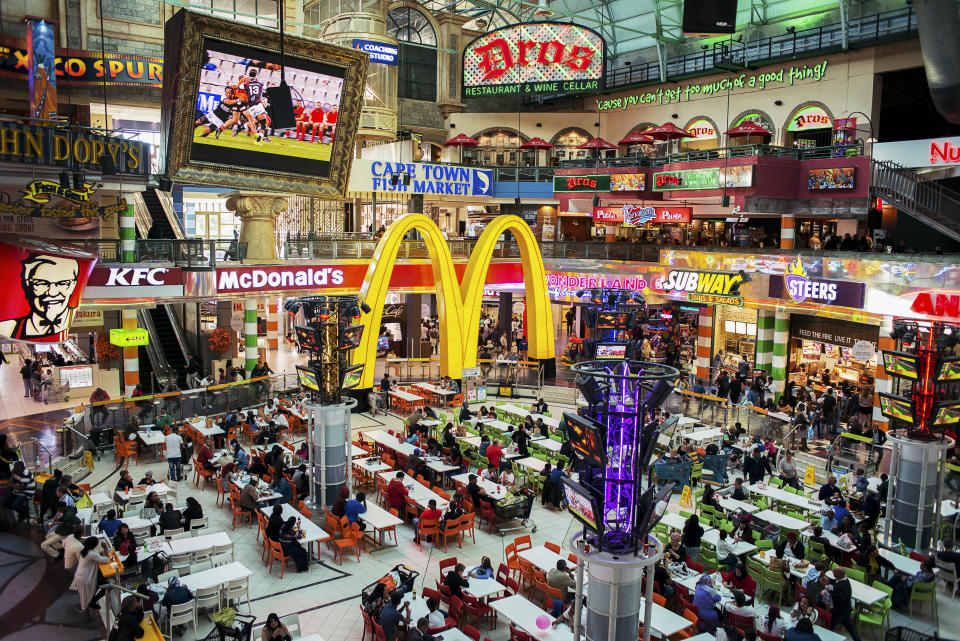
[(311, 531), (902, 563), (418, 609), (542, 557), (949, 508), (379, 519), (416, 490), (524, 613), (151, 438), (663, 621), (532, 463), (676, 522), (489, 487), (356, 452), (732, 505), (859, 591), (384, 439), (482, 588), (548, 444), (788, 622), (370, 466), (781, 520), (688, 420), (513, 410), (433, 389), (217, 576), (801, 501), (440, 467), (261, 488), (160, 488), (704, 435), (740, 547), (496, 424), (196, 543), (100, 498), (406, 396), (203, 430), (549, 421)]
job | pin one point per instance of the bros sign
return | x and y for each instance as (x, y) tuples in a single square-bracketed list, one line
[(534, 58)]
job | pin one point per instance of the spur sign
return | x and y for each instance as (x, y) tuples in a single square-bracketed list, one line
[(537, 57)]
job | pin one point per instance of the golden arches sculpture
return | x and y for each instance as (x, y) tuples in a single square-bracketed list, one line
[(458, 303)]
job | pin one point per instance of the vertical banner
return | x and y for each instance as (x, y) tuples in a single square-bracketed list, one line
[(42, 75)]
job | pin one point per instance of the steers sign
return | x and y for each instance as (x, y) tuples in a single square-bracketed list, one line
[(537, 57)]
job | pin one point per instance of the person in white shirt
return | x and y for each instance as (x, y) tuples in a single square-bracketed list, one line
[(490, 474), (725, 555), (436, 618), (281, 420), (72, 546), (739, 605), (173, 443), (507, 479)]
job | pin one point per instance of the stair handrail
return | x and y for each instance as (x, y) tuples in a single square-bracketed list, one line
[(166, 203), (141, 214), (39, 446), (915, 192), (157, 359), (177, 334)]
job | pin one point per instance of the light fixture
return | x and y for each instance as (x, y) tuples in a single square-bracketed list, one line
[(394, 180), (324, 312), (292, 306), (704, 47), (627, 63), (406, 179), (674, 116), (364, 308), (791, 29)]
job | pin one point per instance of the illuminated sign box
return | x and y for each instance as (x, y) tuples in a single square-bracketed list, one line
[(715, 288), (627, 182), (586, 183), (129, 337), (534, 57), (381, 52), (832, 178), (710, 178)]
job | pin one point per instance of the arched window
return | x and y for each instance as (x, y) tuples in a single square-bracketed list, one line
[(417, 76), (567, 141)]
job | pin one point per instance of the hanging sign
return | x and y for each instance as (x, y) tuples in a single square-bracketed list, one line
[(707, 178), (863, 351), (381, 52), (587, 183), (795, 285), (75, 67), (702, 129), (534, 57), (129, 337), (77, 150), (637, 215)]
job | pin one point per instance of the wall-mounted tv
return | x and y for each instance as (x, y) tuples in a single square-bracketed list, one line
[(583, 505), (350, 337), (308, 338), (611, 351), (586, 437), (949, 370), (897, 407), (220, 83), (614, 320)]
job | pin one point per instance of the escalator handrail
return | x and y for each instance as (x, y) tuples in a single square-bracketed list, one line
[(157, 359), (177, 333)]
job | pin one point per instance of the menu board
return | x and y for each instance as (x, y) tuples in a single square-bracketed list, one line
[(77, 376)]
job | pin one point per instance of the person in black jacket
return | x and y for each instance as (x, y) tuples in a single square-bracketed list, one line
[(723, 385), (842, 603), (692, 533), (275, 523), (48, 494), (127, 625), (756, 467), (170, 518), (455, 581), (194, 511)]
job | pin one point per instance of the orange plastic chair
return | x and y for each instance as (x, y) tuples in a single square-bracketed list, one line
[(452, 531), (425, 527), (553, 547), (350, 540), (522, 543), (276, 554), (393, 528), (239, 513), (467, 525), (659, 599)]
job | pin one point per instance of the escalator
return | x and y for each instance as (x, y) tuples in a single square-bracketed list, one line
[(162, 227), (925, 200), (164, 355)]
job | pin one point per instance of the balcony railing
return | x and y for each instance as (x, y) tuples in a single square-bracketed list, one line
[(189, 253), (720, 153)]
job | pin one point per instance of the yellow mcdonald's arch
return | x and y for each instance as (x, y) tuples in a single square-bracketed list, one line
[(458, 303)]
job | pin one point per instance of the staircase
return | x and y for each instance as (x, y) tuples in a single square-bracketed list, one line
[(165, 224), (928, 202)]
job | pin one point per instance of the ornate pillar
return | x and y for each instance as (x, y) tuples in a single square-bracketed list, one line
[(704, 344), (258, 214), (781, 340), (765, 329)]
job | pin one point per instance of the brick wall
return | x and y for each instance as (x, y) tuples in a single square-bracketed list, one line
[(120, 45), (132, 10)]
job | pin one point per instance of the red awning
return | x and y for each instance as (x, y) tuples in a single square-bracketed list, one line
[(597, 143), (536, 143), (636, 138), (461, 140), (667, 131), (748, 128)]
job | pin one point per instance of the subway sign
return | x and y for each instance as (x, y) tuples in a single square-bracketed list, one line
[(719, 288), (534, 57)]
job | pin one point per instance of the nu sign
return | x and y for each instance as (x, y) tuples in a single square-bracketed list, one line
[(419, 178)]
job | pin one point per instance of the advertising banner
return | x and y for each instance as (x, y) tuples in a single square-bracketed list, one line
[(832, 178), (74, 149), (419, 178), (832, 331), (709, 178), (75, 67), (929, 152), (41, 76), (808, 118), (627, 182), (795, 285), (637, 215), (44, 284), (585, 183), (535, 57), (381, 52), (702, 129), (134, 282), (720, 288)]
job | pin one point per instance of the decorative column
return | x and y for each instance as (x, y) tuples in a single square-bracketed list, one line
[(765, 327), (131, 358), (128, 242), (786, 231), (258, 214), (882, 381), (250, 353), (781, 340), (273, 323), (704, 343)]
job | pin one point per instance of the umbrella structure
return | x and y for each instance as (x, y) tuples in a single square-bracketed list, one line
[(597, 143), (636, 138), (747, 129), (667, 131), (461, 140), (536, 143)]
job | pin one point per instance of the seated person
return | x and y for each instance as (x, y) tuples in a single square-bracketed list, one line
[(540, 407), (902, 584), (170, 518), (147, 479), (490, 474), (739, 579), (507, 479)]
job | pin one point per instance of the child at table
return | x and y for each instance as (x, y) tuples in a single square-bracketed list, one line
[(484, 570)]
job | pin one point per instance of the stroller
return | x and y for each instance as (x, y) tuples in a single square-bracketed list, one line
[(51, 391)]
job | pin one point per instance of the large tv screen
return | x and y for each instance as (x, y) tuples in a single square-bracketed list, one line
[(949, 371), (946, 415), (582, 504), (611, 351), (307, 378), (308, 338), (832, 178), (900, 364), (586, 437), (221, 105), (896, 407), (614, 320)]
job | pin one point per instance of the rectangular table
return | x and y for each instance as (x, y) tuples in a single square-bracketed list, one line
[(371, 467), (406, 396), (261, 488), (532, 463), (513, 410), (542, 557), (496, 424), (740, 547), (902, 563), (522, 612), (356, 452), (416, 490), (549, 421), (676, 522), (311, 531), (153, 438), (217, 576), (143, 490), (196, 543), (781, 520), (548, 444), (490, 488), (732, 505), (860, 591), (663, 621), (390, 442), (704, 435), (801, 501), (378, 519), (418, 609)]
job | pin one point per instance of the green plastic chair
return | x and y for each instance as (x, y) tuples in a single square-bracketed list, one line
[(776, 482), (518, 472), (795, 515), (709, 563), (774, 582), (856, 575), (726, 525), (556, 437), (877, 615), (816, 550), (548, 413), (685, 514), (539, 456), (764, 544), (924, 591)]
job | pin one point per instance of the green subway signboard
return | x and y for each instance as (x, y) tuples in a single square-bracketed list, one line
[(588, 183), (713, 178)]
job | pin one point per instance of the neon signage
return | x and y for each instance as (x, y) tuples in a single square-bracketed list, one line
[(680, 93), (702, 129), (808, 118), (711, 178), (637, 215), (592, 182), (722, 288), (534, 57)]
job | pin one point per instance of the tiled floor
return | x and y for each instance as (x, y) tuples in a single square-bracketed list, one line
[(326, 599)]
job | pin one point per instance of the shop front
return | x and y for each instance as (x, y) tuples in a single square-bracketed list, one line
[(735, 334), (644, 223), (829, 352)]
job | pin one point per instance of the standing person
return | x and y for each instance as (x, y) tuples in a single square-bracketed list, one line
[(828, 408), (385, 390), (843, 602), (756, 466), (865, 408), (878, 439), (692, 533), (98, 395), (25, 374), (173, 442), (87, 576), (787, 468), (723, 385), (570, 316)]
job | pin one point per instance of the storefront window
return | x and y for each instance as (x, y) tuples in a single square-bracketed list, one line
[(810, 126), (260, 12), (497, 147), (704, 135), (822, 354), (735, 332), (566, 143)]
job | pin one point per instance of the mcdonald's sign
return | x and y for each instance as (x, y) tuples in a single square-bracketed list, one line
[(458, 301)]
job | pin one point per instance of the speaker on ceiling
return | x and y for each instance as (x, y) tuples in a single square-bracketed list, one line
[(282, 106), (709, 17)]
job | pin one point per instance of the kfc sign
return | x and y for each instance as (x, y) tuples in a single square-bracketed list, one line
[(636, 215), (134, 282), (127, 276), (538, 57)]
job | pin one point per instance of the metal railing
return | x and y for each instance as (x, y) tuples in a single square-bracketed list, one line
[(933, 203), (719, 411), (32, 451), (720, 153), (885, 26), (189, 253)]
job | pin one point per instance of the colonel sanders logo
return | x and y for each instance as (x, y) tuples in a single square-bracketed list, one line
[(48, 283)]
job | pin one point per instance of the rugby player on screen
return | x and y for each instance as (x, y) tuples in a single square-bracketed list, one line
[(216, 119)]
